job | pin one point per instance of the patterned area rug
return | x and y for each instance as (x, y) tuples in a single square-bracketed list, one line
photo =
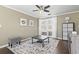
[(35, 48)]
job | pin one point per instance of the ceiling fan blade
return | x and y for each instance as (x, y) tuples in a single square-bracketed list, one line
[(46, 7), (37, 6), (35, 10), (46, 10)]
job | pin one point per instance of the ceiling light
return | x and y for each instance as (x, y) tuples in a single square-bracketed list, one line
[(41, 11)]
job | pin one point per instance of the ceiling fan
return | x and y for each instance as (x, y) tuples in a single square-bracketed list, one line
[(42, 8)]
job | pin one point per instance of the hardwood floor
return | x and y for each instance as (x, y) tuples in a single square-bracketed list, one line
[(5, 51), (62, 48)]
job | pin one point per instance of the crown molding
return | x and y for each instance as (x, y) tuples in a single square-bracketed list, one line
[(38, 17), (18, 11), (67, 13)]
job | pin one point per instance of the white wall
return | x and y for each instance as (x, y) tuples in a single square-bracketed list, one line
[(49, 24)]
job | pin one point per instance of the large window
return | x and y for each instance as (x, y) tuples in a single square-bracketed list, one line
[(48, 26)]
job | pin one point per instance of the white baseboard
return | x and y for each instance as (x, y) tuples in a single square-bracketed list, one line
[(24, 40), (59, 38), (7, 44), (4, 46)]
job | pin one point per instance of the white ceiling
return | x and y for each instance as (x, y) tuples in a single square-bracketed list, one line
[(54, 10)]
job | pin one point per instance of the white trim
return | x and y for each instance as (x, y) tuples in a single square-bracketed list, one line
[(68, 13), (21, 40), (24, 40), (37, 17), (59, 38), (18, 10), (4, 46)]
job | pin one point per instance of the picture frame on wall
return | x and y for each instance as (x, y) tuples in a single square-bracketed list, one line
[(31, 23), (23, 22)]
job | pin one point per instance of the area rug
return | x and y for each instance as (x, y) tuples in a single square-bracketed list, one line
[(36, 48)]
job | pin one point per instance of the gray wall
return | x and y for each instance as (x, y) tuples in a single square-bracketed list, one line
[(9, 19), (74, 17)]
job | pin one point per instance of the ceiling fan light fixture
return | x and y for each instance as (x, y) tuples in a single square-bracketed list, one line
[(41, 11)]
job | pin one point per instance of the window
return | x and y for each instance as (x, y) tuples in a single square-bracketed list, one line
[(48, 26)]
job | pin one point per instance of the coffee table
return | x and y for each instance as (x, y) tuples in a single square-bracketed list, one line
[(40, 39)]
